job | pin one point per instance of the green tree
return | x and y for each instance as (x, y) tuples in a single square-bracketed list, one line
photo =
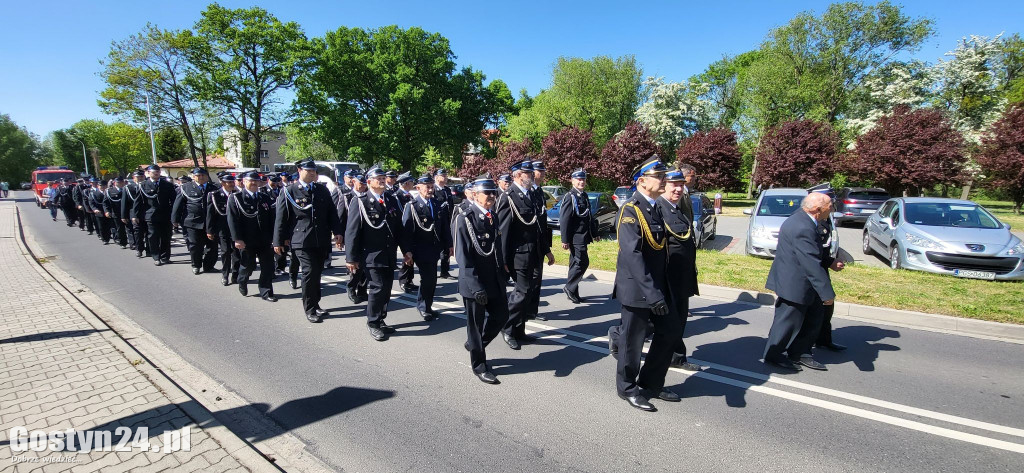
[(386, 95), (20, 152), (122, 148), (599, 95), (241, 61), (300, 143), (1010, 73), (170, 145)]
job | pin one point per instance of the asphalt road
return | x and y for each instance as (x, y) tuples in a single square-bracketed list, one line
[(897, 400)]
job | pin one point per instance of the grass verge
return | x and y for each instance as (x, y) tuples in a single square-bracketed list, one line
[(882, 287)]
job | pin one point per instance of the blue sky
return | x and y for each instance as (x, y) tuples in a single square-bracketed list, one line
[(51, 50)]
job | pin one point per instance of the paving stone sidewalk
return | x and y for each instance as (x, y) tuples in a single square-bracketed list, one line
[(61, 368)]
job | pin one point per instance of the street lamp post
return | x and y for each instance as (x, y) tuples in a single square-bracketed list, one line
[(85, 157), (152, 142)]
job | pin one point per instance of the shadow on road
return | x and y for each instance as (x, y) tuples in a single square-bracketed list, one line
[(35, 337)]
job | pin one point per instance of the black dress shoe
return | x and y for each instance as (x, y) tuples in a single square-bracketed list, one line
[(446, 276), (352, 297), (158, 263), (665, 395), (224, 280), (783, 363), (428, 314), (233, 278), (376, 333), (679, 361), (123, 247), (295, 283), (833, 347), (541, 317), (612, 348), (243, 289), (572, 297), (466, 345), (106, 243), (511, 341), (639, 402), (410, 288), (166, 260), (384, 327), (312, 317), (195, 271), (269, 297), (809, 362), (320, 312), (488, 377)]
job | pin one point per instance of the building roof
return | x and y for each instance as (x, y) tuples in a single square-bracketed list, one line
[(212, 162)]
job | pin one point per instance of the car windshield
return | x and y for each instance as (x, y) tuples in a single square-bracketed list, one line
[(42, 177), (944, 214), (868, 195), (695, 202), (779, 205)]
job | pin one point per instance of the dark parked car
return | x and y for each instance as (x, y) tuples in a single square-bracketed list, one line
[(26, 186), (606, 212), (705, 222), (622, 194), (856, 204)]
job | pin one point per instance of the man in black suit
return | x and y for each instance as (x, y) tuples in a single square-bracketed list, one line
[(578, 227), (135, 222), (641, 287), (403, 193), (154, 206), (481, 274), (251, 223), (356, 284), (112, 209), (96, 200), (190, 209), (426, 223), (540, 199), (799, 276), (217, 227), (675, 209), (306, 217), (373, 233), (444, 195)]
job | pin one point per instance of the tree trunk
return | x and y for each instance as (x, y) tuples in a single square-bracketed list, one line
[(750, 185), (966, 192)]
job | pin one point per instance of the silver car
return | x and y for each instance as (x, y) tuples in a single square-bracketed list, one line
[(773, 207), (947, 236)]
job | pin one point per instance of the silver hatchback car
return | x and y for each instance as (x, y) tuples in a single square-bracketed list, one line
[(947, 236), (773, 207)]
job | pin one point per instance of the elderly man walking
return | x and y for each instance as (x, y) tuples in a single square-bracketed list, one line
[(799, 276)]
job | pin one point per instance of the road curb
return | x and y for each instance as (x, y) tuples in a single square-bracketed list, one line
[(194, 392), (1012, 333)]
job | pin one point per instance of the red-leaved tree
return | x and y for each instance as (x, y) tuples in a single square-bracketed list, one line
[(798, 153), (627, 149), (908, 150), (715, 156), (566, 150), (508, 153), (1002, 155)]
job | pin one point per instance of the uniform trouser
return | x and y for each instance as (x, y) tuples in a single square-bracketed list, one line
[(378, 292), (525, 269), (103, 229), (356, 284), (629, 336), (70, 215), (682, 308), (795, 328), (428, 284), (118, 232), (579, 261), (312, 262), (80, 216), (825, 334), (229, 256), (483, 323), (445, 263), (87, 221), (159, 239), (265, 253), (405, 274), (203, 250), (140, 230)]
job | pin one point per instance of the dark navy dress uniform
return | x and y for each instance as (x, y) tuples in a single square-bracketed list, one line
[(95, 203), (578, 227), (190, 209), (373, 233), (217, 226), (682, 265), (112, 206), (478, 252), (136, 226), (67, 203), (251, 221), (306, 218), (426, 223), (523, 244), (444, 195), (158, 197), (80, 195)]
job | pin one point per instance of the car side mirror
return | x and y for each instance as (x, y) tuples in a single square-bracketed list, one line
[(748, 211), (887, 221), (1007, 225)]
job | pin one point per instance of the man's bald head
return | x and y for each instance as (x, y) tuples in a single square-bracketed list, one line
[(817, 205)]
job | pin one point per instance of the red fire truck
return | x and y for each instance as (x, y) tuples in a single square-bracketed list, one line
[(43, 175)]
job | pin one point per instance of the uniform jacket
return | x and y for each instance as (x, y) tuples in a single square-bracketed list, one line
[(95, 201), (640, 267), (444, 195), (217, 212), (306, 217), (251, 218), (540, 202), (158, 197), (190, 205), (76, 195), (519, 220), (130, 198), (426, 223), (63, 198), (481, 265), (112, 204), (682, 253), (576, 220), (799, 272), (369, 246)]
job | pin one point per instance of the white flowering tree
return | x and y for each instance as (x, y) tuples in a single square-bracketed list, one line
[(967, 85), (674, 110), (901, 84)]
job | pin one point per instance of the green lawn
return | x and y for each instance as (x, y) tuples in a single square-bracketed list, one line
[(874, 286), (1003, 210)]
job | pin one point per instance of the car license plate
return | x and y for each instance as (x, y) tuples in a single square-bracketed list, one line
[(965, 273), (867, 211)]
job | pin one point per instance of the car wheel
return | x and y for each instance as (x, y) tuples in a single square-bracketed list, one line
[(894, 257), (866, 246), (714, 231)]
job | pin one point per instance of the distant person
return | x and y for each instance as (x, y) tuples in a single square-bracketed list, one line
[(52, 197), (5, 188), (799, 276)]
